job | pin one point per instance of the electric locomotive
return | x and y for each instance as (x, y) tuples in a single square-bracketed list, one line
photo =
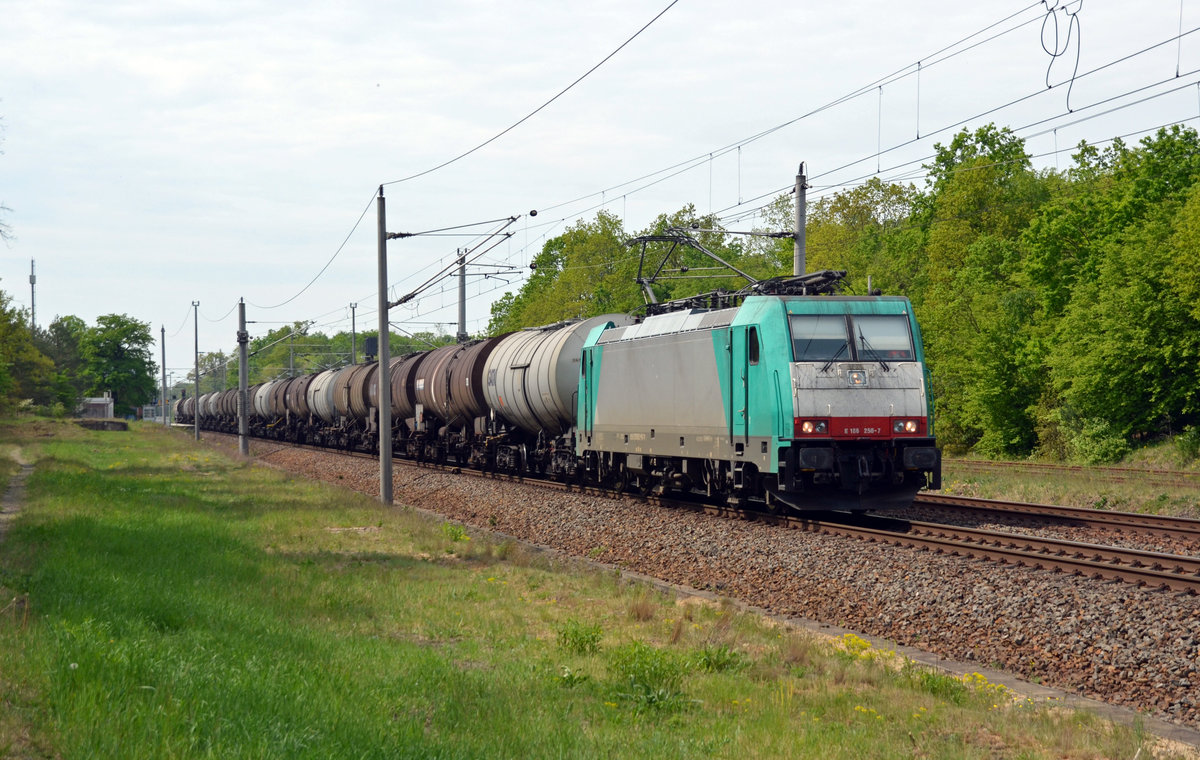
[(808, 402)]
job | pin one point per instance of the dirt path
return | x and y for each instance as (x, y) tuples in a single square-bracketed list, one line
[(14, 495)]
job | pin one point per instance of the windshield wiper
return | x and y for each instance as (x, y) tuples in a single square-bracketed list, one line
[(868, 347), (833, 358)]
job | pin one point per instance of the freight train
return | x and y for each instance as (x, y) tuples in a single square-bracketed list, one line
[(776, 398)]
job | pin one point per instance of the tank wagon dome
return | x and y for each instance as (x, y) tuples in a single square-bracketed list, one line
[(373, 382), (256, 400), (466, 381), (532, 376), (204, 405), (227, 403), (433, 381)]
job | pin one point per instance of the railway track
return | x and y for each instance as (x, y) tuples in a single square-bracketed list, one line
[(1152, 569), (1156, 570), (1132, 522), (1181, 478)]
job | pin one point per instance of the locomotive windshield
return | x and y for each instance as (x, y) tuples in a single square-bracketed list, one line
[(818, 337), (873, 337)]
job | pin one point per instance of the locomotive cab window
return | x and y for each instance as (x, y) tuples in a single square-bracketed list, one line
[(752, 345), (882, 337), (818, 337)]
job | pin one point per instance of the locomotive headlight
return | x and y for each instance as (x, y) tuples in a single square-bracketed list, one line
[(905, 426), (812, 427), (807, 426)]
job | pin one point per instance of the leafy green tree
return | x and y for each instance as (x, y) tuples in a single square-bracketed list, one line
[(1125, 358), (25, 372), (1185, 247), (866, 231), (982, 193), (587, 270), (61, 341), (117, 358)]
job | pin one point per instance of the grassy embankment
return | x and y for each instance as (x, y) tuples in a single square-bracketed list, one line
[(161, 600), (1097, 488)]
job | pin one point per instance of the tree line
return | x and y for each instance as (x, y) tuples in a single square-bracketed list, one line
[(1060, 308), (55, 367)]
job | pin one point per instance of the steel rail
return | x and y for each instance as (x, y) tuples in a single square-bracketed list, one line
[(1184, 478), (1165, 571), (1168, 525)]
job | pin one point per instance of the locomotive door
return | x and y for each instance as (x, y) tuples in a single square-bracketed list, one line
[(744, 372), (744, 355)]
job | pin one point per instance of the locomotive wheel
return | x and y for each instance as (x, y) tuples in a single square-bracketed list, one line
[(621, 481)]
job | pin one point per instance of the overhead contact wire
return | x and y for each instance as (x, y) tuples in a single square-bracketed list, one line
[(534, 112)]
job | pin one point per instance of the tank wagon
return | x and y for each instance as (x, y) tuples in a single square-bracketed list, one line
[(781, 398)]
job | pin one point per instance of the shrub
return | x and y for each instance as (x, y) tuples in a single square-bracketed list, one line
[(653, 677), (718, 659), (455, 532), (579, 638), (643, 607), (1098, 443), (1189, 444)]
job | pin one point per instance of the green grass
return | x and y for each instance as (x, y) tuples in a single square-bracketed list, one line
[(1085, 488), (1076, 489), (161, 600)]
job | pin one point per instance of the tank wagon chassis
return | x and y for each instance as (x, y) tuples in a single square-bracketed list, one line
[(783, 394)]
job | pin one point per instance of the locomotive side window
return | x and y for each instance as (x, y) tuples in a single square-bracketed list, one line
[(752, 345), (818, 337), (882, 337)]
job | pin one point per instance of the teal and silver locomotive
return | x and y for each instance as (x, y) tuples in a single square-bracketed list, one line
[(803, 401)]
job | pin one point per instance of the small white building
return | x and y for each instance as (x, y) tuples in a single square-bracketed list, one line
[(97, 408)]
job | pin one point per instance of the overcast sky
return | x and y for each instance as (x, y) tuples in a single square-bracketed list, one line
[(159, 153)]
